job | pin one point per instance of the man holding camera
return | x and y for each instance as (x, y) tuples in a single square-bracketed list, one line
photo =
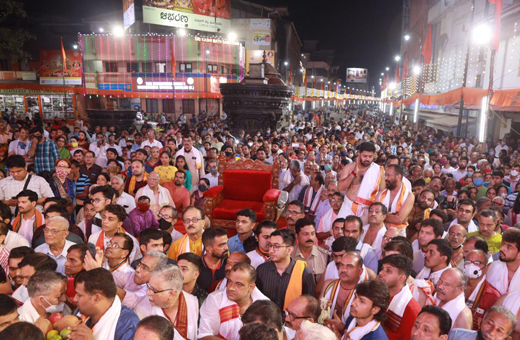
[(45, 152)]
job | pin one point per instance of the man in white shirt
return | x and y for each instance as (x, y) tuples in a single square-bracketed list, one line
[(56, 245), (21, 145), (374, 231), (99, 148), (124, 200), (47, 295), (430, 229), (29, 217), (151, 141), (194, 160), (13, 184), (262, 235), (167, 299), (212, 176), (230, 303)]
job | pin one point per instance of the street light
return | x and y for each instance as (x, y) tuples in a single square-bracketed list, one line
[(232, 36), (482, 34), (118, 31), (286, 63), (392, 86), (416, 70), (382, 74), (182, 32), (397, 58), (388, 68), (75, 46), (407, 37), (101, 29), (207, 52)]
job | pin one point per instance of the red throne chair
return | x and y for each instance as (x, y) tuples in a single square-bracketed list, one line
[(242, 184)]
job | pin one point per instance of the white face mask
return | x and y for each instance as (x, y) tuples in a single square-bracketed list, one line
[(472, 271), (514, 173), (54, 308)]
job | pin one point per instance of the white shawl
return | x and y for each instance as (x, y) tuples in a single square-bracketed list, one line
[(309, 203), (354, 332), (27, 312), (21, 294), (426, 274), (497, 276), (376, 245), (369, 185), (453, 307), (512, 302), (163, 195), (332, 272), (106, 326), (400, 301), (346, 309), (392, 206)]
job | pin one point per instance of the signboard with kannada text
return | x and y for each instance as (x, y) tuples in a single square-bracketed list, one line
[(202, 15)]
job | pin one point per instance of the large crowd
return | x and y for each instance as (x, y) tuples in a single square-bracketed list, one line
[(387, 230)]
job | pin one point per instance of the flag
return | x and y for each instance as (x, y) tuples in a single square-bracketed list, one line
[(496, 30), (63, 55), (290, 77), (174, 64), (305, 78), (405, 66), (427, 47), (322, 86), (315, 79), (396, 76)]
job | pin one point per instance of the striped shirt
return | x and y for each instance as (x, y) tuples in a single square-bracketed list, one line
[(274, 286), (81, 183)]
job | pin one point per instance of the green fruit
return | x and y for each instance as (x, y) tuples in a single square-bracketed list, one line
[(65, 333), (52, 334), (55, 337)]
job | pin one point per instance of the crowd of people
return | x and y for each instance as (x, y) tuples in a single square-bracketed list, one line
[(389, 232)]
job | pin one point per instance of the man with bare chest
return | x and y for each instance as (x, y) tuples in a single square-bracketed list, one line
[(361, 181), (340, 292)]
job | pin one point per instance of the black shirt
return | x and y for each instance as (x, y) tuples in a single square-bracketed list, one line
[(274, 286), (207, 277)]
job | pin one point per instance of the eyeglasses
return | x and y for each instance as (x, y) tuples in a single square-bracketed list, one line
[(54, 232), (97, 200), (156, 291), (194, 220), (292, 212), (143, 267), (115, 246), (293, 316), (332, 200), (458, 235), (166, 217), (476, 263), (276, 247)]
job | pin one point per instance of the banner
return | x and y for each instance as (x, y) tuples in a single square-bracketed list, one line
[(52, 70), (260, 23), (202, 15), (357, 75), (128, 13), (262, 38), (256, 56)]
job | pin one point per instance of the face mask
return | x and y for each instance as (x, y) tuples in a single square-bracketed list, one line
[(514, 173), (74, 144), (258, 134), (470, 173), (250, 144), (202, 188), (472, 271), (164, 225), (143, 207), (503, 195), (291, 333), (453, 164), (62, 174), (228, 154), (54, 308), (268, 131), (327, 167), (478, 181), (491, 153), (76, 135), (350, 155), (213, 171)]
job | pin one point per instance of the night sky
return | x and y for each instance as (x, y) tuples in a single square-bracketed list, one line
[(364, 33)]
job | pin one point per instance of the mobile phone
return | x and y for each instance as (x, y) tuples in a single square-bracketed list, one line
[(295, 145), (92, 249)]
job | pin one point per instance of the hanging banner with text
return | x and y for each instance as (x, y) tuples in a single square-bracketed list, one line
[(202, 15)]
